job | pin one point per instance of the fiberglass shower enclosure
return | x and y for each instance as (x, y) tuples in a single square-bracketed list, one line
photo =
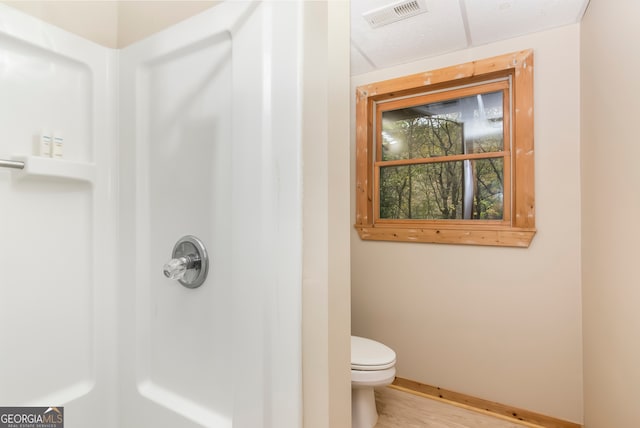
[(192, 131)]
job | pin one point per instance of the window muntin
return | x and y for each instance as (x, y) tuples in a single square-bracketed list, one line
[(442, 156)]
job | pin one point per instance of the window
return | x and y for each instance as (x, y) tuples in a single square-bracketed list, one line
[(447, 156)]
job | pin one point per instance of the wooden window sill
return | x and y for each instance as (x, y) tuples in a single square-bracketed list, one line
[(499, 236)]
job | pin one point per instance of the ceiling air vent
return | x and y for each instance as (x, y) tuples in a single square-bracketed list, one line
[(394, 12)]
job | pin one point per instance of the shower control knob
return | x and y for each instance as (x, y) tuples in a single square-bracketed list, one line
[(176, 268), (190, 262)]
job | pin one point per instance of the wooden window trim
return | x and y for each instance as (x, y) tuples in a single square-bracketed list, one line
[(518, 231)]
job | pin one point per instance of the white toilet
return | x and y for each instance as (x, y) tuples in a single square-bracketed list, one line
[(372, 364)]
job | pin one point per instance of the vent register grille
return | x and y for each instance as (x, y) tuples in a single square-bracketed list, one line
[(394, 12)]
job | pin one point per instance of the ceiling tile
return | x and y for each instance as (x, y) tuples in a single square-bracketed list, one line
[(439, 30), (492, 20)]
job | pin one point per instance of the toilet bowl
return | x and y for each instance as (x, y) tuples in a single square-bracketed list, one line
[(372, 364)]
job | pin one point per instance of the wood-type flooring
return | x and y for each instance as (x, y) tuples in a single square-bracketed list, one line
[(401, 409)]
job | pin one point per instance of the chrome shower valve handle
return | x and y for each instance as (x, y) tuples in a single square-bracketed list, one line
[(176, 268), (190, 262)]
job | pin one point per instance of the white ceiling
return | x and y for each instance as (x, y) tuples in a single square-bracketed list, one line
[(450, 25)]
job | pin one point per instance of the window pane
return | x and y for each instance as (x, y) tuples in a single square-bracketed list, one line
[(471, 124), (437, 191), (488, 182)]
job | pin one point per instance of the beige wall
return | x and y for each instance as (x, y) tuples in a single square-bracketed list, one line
[(96, 21), (610, 212), (114, 24), (502, 324), (139, 19), (326, 222)]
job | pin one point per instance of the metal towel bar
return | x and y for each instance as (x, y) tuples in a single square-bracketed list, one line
[(11, 164)]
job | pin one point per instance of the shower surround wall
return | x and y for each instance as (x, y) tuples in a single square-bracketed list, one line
[(57, 294), (192, 131)]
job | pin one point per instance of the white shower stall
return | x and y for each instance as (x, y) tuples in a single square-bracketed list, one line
[(195, 130)]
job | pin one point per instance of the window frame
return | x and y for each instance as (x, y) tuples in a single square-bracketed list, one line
[(500, 85), (518, 226)]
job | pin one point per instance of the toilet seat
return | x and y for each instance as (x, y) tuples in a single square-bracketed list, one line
[(362, 378), (369, 355)]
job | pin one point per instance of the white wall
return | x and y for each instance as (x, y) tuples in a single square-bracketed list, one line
[(57, 223), (502, 324), (326, 295), (610, 209)]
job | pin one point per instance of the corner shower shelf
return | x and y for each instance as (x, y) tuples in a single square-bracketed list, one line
[(58, 168)]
